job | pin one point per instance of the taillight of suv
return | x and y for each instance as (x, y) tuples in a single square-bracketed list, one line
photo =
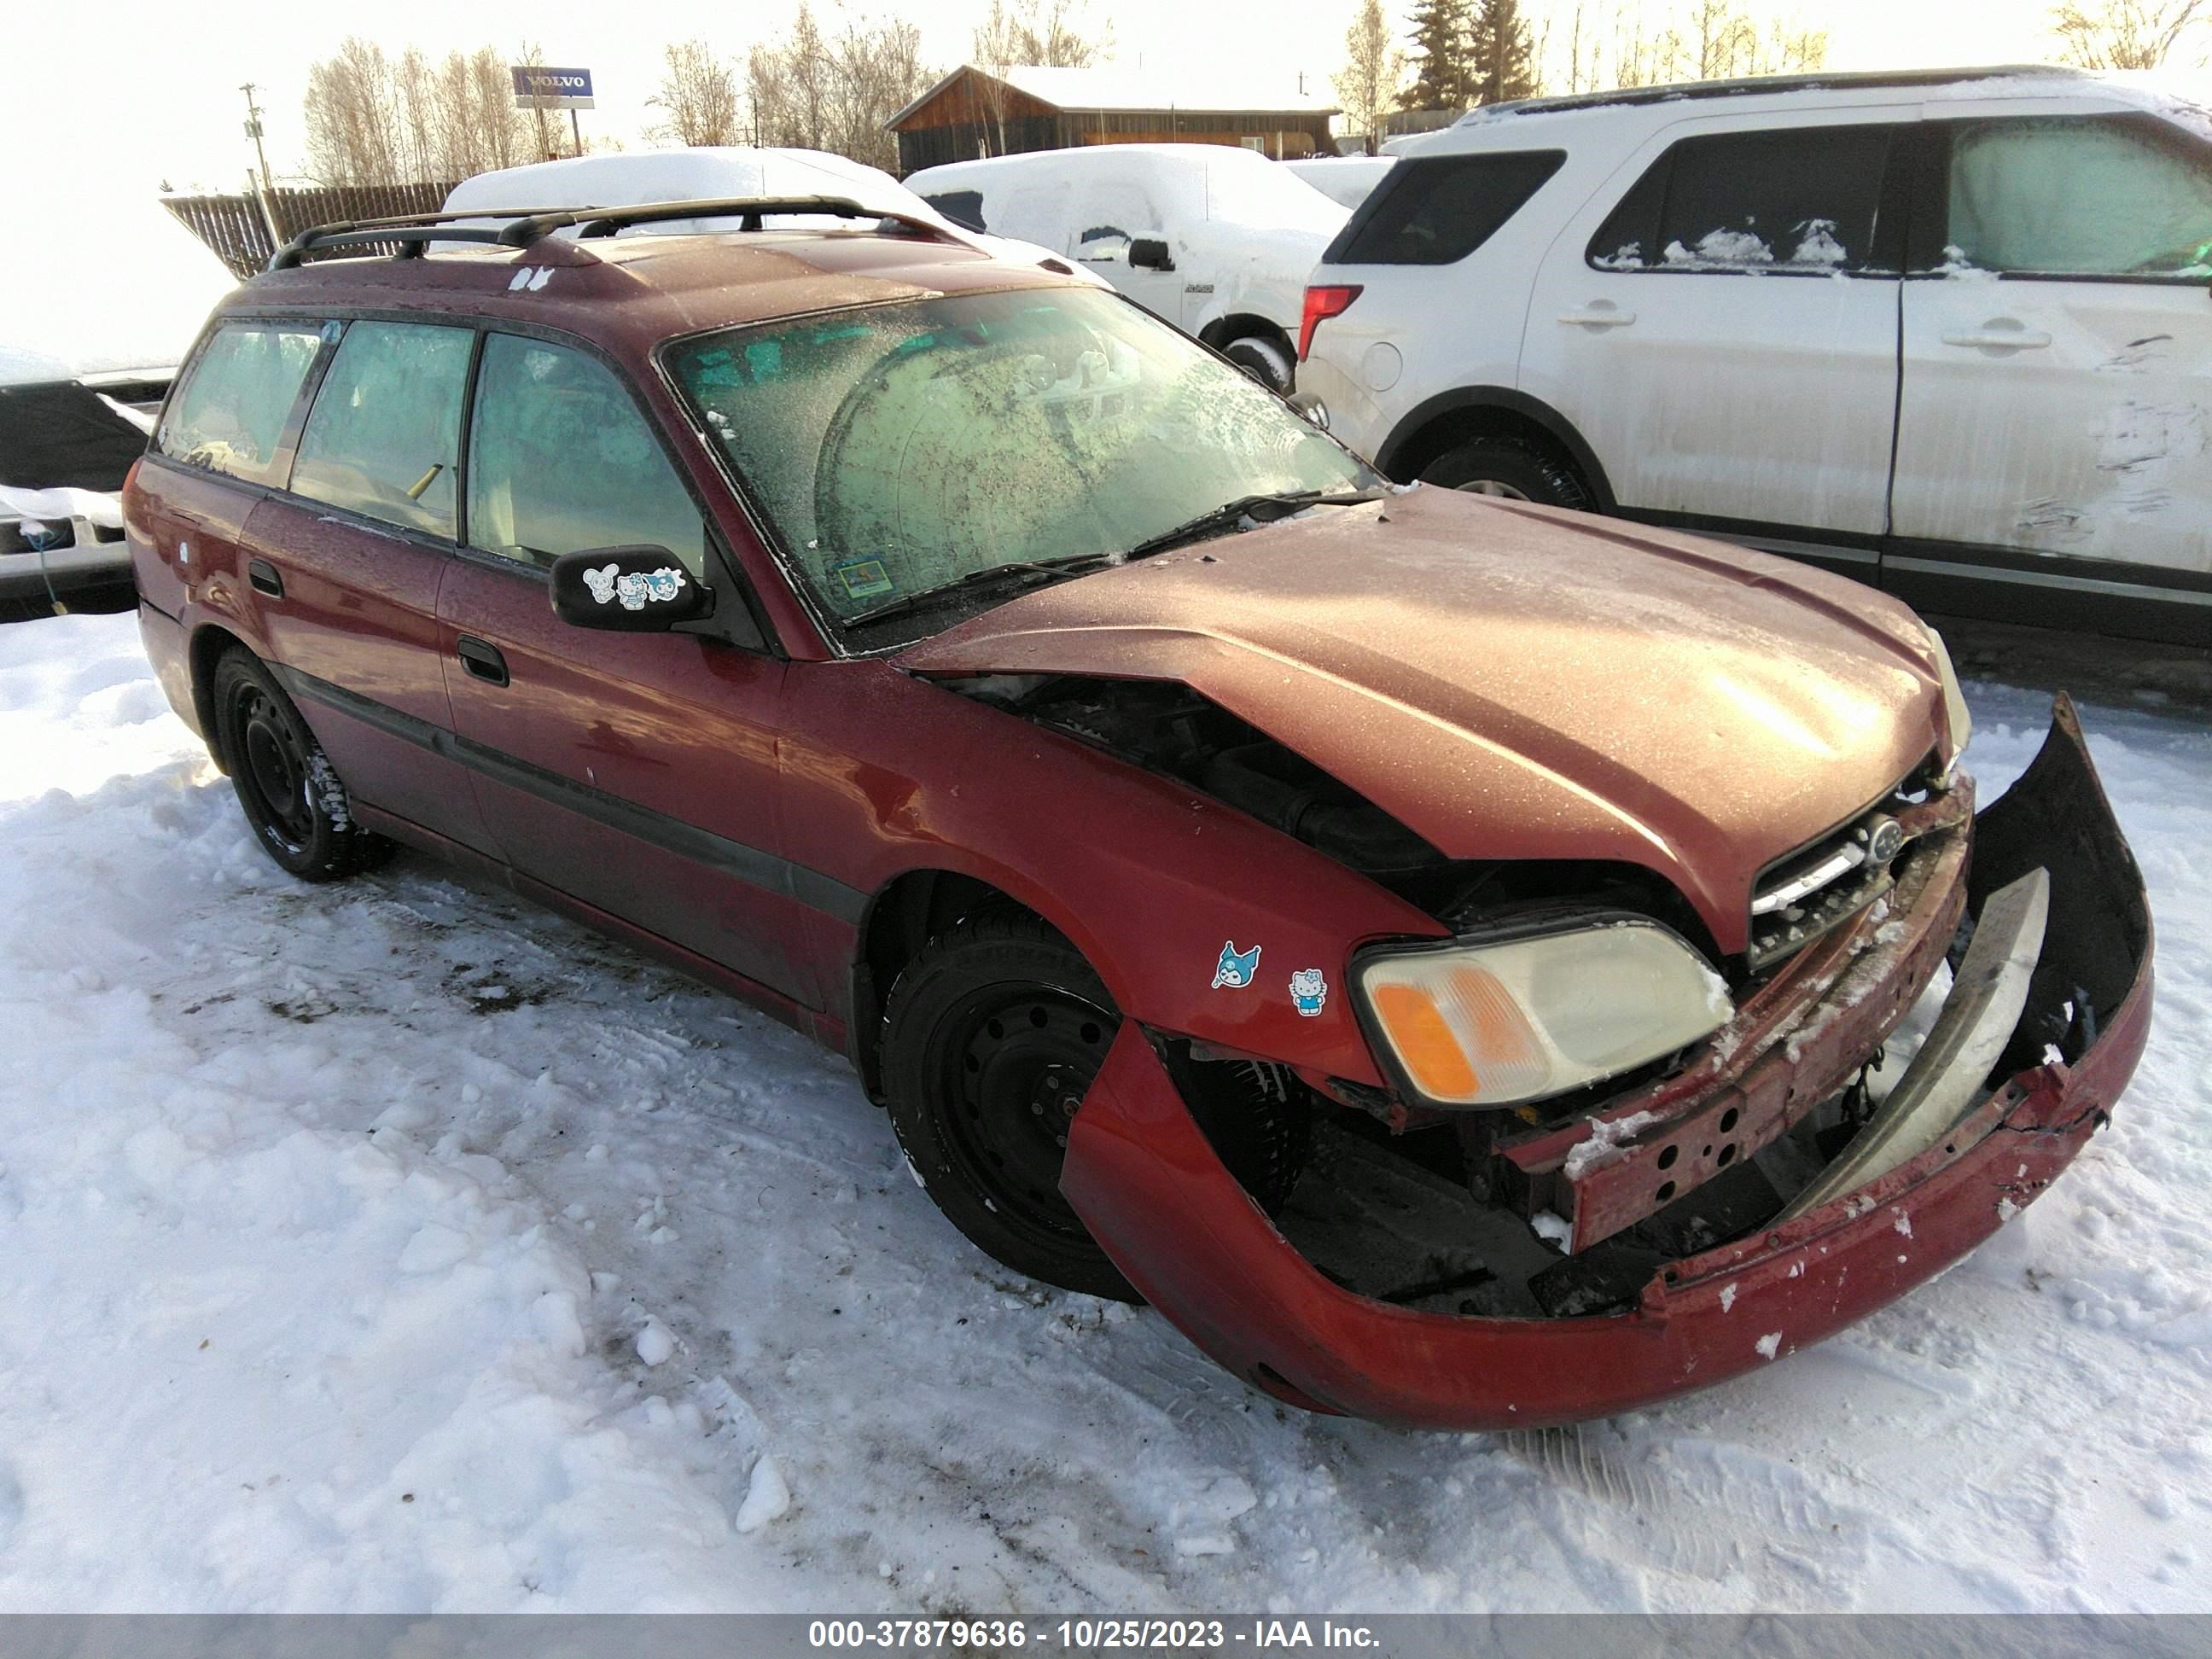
[(1322, 303)]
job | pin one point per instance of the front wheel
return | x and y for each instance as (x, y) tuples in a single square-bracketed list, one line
[(995, 1033), (285, 783), (1264, 360)]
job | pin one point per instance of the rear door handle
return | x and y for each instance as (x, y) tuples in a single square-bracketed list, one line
[(481, 659), (1600, 315), (1999, 334), (264, 578)]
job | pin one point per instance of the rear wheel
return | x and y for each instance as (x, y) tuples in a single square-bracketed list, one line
[(285, 783), (1513, 470), (1262, 358), (995, 1032)]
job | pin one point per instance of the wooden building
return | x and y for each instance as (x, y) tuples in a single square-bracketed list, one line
[(972, 113)]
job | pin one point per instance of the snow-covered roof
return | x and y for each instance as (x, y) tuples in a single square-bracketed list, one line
[(1112, 87)]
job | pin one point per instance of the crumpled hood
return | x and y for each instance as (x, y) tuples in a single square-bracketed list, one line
[(1516, 682)]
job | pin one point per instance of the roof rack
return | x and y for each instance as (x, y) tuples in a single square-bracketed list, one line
[(1842, 80), (413, 232)]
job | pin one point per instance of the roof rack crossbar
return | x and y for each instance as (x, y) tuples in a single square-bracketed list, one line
[(524, 226)]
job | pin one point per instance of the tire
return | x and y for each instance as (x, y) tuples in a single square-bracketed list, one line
[(288, 790), (1265, 359), (1510, 468), (993, 1036)]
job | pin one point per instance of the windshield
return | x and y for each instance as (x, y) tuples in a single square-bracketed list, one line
[(905, 448)]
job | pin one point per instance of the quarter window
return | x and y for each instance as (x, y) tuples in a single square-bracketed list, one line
[(1434, 209), (1802, 200), (560, 460), (2061, 198), (385, 433), (228, 416)]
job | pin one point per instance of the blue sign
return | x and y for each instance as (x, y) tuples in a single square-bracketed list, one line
[(539, 87)]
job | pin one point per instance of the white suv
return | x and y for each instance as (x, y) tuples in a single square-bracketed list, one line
[(1948, 333)]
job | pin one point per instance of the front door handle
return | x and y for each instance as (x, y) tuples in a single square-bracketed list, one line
[(1999, 334), (1599, 314), (481, 659), (264, 578)]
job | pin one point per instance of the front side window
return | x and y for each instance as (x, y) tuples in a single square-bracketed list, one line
[(2074, 198), (383, 436), (228, 416), (1437, 210), (561, 460), (1795, 200), (904, 448)]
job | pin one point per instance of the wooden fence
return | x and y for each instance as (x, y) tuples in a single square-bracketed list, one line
[(234, 228)]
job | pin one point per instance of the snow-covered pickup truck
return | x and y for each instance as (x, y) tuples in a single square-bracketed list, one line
[(1942, 331), (1217, 241)]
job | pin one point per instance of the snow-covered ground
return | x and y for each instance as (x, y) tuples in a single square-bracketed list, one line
[(396, 1246)]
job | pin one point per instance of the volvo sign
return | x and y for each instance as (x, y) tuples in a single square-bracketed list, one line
[(539, 87)]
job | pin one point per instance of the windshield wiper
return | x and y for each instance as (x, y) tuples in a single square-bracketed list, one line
[(988, 576), (1216, 520)]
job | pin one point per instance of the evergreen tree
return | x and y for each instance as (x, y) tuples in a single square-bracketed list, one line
[(1442, 77), (1501, 54)]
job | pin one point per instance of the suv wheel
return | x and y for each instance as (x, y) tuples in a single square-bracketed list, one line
[(1262, 359), (291, 792), (1516, 471), (994, 1035)]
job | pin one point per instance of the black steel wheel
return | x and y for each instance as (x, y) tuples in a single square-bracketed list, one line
[(1514, 470), (994, 1035), (287, 787)]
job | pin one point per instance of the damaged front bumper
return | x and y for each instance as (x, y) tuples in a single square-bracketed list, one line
[(1150, 1186)]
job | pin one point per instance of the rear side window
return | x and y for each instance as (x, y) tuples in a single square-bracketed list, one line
[(1803, 200), (228, 416), (962, 207), (2075, 197), (1434, 209), (560, 460), (385, 434)]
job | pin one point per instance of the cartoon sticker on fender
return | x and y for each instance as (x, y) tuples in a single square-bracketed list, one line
[(609, 584), (1309, 990), (1236, 967)]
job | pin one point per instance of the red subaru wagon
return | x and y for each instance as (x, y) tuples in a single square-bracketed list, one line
[(1436, 949)]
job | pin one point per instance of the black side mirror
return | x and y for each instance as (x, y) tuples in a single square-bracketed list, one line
[(1150, 253), (627, 590)]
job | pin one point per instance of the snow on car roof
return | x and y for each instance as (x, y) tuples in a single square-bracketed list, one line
[(1239, 186)]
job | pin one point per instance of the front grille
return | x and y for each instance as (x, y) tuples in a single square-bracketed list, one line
[(1804, 895), (51, 535)]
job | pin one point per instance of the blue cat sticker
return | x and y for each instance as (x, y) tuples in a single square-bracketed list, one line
[(1309, 990), (1236, 967)]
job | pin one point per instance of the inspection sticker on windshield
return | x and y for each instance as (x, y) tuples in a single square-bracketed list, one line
[(863, 578), (1236, 967)]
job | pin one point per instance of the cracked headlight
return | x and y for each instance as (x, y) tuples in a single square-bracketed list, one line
[(1959, 724), (1474, 1023)]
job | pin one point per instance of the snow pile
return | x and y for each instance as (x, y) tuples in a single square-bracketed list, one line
[(394, 1246)]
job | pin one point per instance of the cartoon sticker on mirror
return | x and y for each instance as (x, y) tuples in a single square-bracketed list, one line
[(634, 590), (1236, 967), (1309, 990)]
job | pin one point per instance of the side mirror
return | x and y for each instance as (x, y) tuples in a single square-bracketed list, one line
[(1150, 253), (627, 590)]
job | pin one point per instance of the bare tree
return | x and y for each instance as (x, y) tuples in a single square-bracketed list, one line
[(835, 92), (1593, 44), (372, 121), (698, 97), (1042, 34), (1373, 69), (354, 132), (2124, 35)]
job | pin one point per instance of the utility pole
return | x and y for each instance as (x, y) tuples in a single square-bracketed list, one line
[(253, 132)]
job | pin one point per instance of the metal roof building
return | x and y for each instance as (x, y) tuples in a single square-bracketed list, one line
[(973, 112)]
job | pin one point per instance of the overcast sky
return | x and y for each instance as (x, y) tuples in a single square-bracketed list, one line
[(108, 97)]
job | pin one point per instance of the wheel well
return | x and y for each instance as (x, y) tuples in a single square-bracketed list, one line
[(207, 648), (902, 920), (1447, 428)]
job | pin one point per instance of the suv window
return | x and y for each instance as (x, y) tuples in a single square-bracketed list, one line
[(229, 415), (962, 207), (1436, 209), (560, 459), (2079, 197), (1801, 199), (386, 430)]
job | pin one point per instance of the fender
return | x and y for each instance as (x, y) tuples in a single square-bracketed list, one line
[(1506, 400)]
